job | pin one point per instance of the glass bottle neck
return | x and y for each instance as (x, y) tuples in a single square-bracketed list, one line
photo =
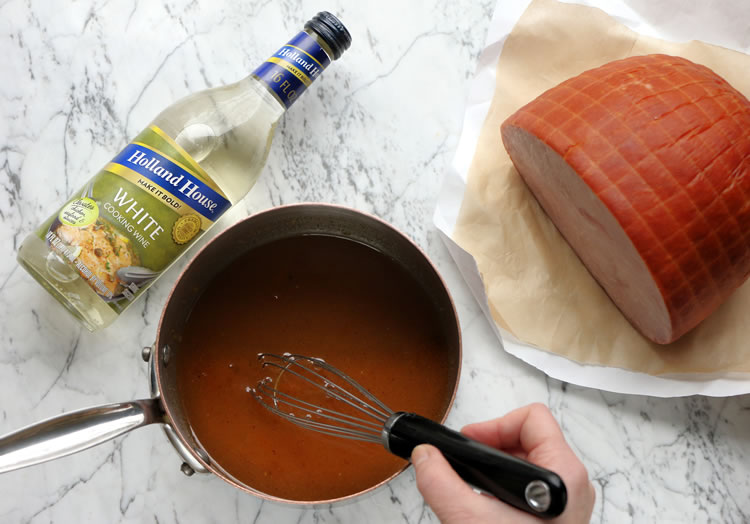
[(291, 70)]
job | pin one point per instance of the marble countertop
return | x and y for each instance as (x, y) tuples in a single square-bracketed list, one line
[(376, 132)]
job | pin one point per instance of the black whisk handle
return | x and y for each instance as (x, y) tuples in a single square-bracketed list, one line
[(512, 480)]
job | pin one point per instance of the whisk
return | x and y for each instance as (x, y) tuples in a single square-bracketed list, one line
[(311, 386)]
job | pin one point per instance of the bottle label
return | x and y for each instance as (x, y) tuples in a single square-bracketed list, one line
[(136, 216), (293, 68)]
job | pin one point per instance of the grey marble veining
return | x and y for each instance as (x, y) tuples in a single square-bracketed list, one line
[(375, 132)]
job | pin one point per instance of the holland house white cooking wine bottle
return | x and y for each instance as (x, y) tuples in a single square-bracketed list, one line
[(199, 156)]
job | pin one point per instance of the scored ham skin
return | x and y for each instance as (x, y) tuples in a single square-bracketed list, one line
[(643, 164)]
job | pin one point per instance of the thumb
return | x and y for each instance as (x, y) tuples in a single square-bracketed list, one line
[(447, 494)]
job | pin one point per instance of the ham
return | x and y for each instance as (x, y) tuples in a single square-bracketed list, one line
[(643, 165)]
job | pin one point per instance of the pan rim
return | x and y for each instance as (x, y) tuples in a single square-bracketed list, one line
[(169, 404)]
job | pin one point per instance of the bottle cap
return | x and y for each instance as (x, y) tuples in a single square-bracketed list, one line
[(332, 31)]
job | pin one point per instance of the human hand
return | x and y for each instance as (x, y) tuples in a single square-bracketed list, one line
[(530, 433)]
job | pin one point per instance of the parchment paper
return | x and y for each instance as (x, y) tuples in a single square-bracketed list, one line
[(534, 288)]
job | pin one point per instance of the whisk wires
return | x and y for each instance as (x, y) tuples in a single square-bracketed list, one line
[(367, 414)]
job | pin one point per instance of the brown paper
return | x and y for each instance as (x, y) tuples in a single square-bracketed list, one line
[(537, 288)]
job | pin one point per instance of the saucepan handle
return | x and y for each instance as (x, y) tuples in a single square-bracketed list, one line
[(75, 431), (512, 480)]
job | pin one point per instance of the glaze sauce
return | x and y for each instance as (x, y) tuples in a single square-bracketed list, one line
[(319, 296)]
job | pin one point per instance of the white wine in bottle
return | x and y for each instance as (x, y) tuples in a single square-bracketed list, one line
[(199, 157)]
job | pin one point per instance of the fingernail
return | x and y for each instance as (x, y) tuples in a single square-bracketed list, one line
[(420, 454)]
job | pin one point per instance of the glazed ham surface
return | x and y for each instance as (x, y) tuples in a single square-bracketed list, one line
[(643, 165)]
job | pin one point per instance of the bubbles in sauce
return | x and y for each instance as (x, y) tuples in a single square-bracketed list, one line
[(326, 297)]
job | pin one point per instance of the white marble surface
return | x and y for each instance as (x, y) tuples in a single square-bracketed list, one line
[(377, 133)]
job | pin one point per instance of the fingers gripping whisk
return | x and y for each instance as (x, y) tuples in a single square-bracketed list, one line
[(315, 395)]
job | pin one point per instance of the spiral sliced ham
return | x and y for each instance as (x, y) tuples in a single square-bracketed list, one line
[(643, 164)]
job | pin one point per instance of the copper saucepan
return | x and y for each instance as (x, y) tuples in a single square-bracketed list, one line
[(78, 430)]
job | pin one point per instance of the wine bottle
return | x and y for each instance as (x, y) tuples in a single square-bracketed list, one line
[(199, 156)]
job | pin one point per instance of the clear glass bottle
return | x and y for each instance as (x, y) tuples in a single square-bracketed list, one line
[(199, 156)]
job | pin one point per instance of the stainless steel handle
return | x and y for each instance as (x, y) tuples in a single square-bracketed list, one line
[(75, 431)]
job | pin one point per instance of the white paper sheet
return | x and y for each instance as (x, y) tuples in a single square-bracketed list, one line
[(717, 22)]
